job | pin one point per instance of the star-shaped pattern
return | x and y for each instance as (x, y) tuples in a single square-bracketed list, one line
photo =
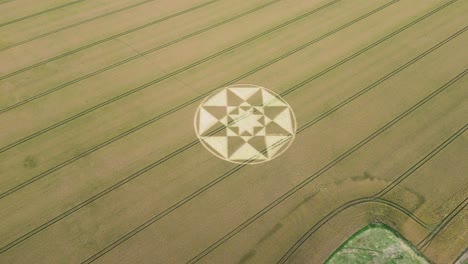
[(245, 123), (246, 120)]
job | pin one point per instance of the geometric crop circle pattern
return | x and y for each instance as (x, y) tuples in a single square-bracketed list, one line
[(245, 123)]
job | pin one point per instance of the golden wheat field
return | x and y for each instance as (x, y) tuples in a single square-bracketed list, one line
[(103, 158)]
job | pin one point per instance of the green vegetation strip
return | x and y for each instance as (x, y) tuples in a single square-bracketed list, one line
[(376, 243)]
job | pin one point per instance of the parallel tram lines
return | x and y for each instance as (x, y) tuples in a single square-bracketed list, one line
[(167, 76), (154, 22), (175, 109), (111, 188), (165, 212), (139, 55), (327, 167), (317, 174), (378, 198), (43, 12), (123, 9), (425, 243)]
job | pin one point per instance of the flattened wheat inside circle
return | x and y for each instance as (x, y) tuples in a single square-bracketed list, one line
[(242, 123)]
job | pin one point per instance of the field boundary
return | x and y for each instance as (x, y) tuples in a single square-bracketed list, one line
[(377, 225), (351, 203), (426, 241)]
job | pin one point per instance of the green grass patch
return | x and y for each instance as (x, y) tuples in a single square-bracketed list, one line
[(376, 243)]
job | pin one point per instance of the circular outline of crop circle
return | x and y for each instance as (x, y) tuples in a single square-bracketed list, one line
[(249, 161)]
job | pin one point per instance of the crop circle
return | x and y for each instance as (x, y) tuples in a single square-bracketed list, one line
[(245, 123)]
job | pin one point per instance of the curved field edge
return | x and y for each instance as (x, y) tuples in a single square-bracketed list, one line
[(367, 245), (463, 258)]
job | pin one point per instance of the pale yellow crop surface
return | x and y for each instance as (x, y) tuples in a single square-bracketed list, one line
[(99, 160)]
